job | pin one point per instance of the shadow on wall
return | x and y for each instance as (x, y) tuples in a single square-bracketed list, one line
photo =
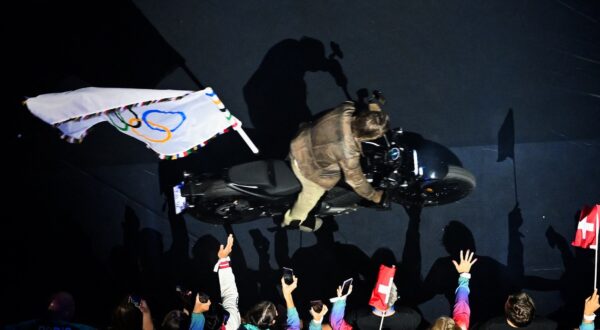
[(276, 92), (65, 45), (104, 45)]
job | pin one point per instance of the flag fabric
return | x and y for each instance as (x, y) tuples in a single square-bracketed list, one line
[(172, 123), (585, 236), (506, 138), (380, 296)]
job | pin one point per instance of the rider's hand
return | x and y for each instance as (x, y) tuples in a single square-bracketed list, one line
[(377, 197)]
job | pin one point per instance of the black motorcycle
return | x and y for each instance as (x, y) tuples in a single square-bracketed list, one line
[(409, 169)]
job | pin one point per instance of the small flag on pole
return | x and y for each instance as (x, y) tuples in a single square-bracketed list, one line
[(380, 297), (506, 138), (585, 236), (172, 123)]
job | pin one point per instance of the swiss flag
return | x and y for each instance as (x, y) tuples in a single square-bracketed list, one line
[(585, 237), (383, 288)]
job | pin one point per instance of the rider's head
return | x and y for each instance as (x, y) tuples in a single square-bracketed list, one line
[(370, 125)]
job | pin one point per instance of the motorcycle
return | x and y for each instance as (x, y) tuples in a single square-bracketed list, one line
[(408, 168)]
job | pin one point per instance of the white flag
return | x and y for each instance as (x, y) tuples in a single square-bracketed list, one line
[(172, 123)]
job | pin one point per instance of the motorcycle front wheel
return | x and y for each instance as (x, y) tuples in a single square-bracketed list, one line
[(456, 185)]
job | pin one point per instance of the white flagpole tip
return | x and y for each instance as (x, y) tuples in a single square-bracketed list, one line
[(246, 138)]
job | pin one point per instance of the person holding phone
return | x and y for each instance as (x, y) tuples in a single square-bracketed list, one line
[(264, 314), (132, 313)]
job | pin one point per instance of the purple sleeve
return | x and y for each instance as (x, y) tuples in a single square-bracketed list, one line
[(336, 318), (462, 311)]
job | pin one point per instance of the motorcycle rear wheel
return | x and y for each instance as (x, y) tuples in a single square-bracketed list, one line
[(456, 185), (224, 205)]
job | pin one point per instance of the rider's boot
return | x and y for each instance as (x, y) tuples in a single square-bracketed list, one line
[(311, 224)]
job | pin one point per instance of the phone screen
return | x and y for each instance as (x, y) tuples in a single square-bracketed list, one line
[(135, 300), (225, 316), (346, 286), (288, 275)]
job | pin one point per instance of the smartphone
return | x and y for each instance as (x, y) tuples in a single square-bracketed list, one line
[(135, 300), (288, 275), (225, 316), (316, 305), (346, 286)]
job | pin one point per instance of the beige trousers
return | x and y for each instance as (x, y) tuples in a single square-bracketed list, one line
[(307, 199)]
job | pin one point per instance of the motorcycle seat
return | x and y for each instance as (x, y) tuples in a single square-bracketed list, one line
[(273, 177)]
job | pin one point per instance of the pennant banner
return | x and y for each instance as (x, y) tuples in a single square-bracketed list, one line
[(585, 236), (172, 123)]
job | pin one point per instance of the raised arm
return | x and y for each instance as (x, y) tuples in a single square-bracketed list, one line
[(147, 323), (317, 318), (229, 292), (462, 312), (336, 318), (293, 319)]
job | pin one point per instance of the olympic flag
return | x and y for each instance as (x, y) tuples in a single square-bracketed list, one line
[(173, 123)]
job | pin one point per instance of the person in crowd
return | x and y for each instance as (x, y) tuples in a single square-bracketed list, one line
[(397, 318), (263, 315), (519, 312), (58, 315), (317, 318), (228, 317), (133, 313), (175, 320), (590, 307), (320, 152), (461, 312)]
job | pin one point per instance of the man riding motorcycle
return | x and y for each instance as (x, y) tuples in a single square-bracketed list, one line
[(323, 150)]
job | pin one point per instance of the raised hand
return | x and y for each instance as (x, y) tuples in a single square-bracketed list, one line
[(289, 288), (466, 261), (591, 303), (339, 292), (226, 250), (319, 316)]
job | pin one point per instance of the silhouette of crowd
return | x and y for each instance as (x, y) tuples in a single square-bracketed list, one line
[(203, 292)]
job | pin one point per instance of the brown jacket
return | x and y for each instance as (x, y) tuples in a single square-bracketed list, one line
[(326, 146)]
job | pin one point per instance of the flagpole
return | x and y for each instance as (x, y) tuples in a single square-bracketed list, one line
[(515, 178), (246, 138), (596, 259), (382, 317)]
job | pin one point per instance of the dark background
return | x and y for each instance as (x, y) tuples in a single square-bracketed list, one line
[(92, 218)]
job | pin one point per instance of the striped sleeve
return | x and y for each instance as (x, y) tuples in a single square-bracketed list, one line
[(462, 312), (336, 318)]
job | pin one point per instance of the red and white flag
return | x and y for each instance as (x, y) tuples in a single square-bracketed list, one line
[(585, 237), (382, 291)]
